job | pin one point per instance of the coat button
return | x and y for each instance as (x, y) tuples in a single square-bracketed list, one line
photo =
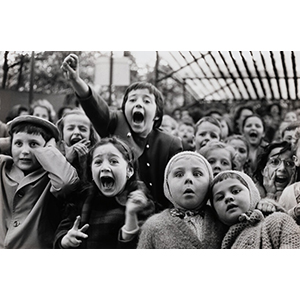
[(148, 165), (129, 134), (16, 223), (150, 183), (147, 146)]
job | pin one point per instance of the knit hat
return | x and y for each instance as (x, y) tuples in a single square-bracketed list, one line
[(254, 193), (28, 119), (183, 154)]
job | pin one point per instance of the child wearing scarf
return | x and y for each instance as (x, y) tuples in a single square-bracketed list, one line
[(234, 198), (191, 223)]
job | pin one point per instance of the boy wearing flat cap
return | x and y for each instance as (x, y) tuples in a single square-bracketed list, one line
[(33, 184)]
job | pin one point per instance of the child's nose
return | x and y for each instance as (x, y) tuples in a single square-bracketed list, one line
[(139, 102), (229, 198), (76, 130), (105, 167)]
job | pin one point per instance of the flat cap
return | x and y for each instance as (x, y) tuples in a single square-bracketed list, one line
[(28, 119)]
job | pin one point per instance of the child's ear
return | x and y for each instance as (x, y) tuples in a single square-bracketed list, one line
[(130, 172), (296, 161)]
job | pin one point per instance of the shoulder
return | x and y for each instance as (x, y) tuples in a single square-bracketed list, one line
[(158, 136), (279, 218), (157, 220)]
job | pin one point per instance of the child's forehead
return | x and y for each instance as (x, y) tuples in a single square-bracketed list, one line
[(253, 119), (25, 135), (208, 125), (226, 183), (187, 162), (144, 91), (107, 149), (219, 152), (76, 118), (238, 142), (184, 126)]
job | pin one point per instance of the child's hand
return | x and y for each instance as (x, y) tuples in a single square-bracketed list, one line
[(297, 210), (268, 206), (269, 184), (51, 143), (73, 238), (70, 66), (136, 202), (79, 149)]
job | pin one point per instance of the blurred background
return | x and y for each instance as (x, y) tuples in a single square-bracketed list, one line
[(190, 80)]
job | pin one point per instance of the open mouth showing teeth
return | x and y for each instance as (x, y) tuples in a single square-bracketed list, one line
[(281, 179), (138, 117), (107, 182)]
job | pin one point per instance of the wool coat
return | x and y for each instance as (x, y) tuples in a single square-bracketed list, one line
[(164, 231), (276, 231)]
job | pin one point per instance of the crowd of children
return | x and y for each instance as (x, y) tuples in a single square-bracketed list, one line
[(94, 177)]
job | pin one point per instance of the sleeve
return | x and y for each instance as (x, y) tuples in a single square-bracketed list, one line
[(98, 112), (63, 176), (146, 236), (285, 233)]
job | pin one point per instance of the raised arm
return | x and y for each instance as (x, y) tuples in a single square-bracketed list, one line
[(93, 105), (70, 66)]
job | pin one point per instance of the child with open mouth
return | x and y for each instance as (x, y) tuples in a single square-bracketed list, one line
[(137, 123), (77, 136), (275, 170), (253, 129), (113, 204), (234, 198)]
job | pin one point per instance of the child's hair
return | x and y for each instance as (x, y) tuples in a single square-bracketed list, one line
[(209, 119), (32, 129), (212, 145), (46, 104), (187, 123), (60, 125), (61, 111), (159, 100), (290, 126), (33, 125), (251, 116), (126, 152), (173, 122), (269, 108), (238, 112), (264, 157), (244, 179), (237, 137)]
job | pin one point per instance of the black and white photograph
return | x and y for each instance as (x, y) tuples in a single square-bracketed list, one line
[(149, 173)]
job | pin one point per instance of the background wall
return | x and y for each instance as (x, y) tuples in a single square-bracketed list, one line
[(9, 98)]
